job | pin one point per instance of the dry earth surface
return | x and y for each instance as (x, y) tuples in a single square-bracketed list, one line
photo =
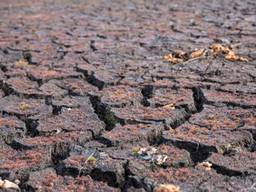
[(88, 101)]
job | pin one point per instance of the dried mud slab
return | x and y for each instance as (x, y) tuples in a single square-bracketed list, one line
[(235, 164), (11, 128), (133, 134), (220, 118), (48, 179), (24, 108), (78, 87), (97, 164), (173, 97), (18, 164), (233, 99), (44, 74), (140, 114), (21, 86), (82, 119), (194, 138), (52, 140), (119, 96)]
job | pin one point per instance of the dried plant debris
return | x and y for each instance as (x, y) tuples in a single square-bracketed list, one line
[(169, 106), (172, 59), (231, 56), (213, 50), (6, 184), (217, 49), (22, 63), (24, 106), (197, 53), (167, 188), (205, 165), (180, 56), (91, 160), (150, 154)]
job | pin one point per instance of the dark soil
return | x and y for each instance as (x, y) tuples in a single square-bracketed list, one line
[(85, 89)]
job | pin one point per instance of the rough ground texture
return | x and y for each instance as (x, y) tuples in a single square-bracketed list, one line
[(88, 104)]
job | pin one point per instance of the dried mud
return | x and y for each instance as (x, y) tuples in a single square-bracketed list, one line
[(88, 102)]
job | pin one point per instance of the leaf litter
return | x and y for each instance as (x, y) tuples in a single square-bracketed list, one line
[(216, 50)]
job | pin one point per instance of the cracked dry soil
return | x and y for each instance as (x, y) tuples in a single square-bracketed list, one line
[(88, 103)]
